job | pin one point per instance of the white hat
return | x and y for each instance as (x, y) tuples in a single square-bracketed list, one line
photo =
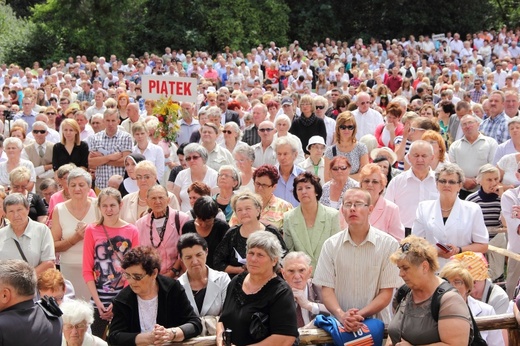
[(315, 140), (385, 151), (211, 89)]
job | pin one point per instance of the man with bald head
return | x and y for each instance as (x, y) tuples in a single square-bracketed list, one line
[(264, 151), (133, 117), (414, 185), (251, 135)]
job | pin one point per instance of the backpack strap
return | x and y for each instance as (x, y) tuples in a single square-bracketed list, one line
[(437, 296), (177, 222), (491, 287), (334, 151)]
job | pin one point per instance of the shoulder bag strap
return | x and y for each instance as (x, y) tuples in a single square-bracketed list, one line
[(20, 250)]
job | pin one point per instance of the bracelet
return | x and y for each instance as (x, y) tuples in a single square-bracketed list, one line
[(460, 249), (174, 332)]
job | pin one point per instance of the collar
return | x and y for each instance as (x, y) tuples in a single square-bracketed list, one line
[(371, 237), (27, 304), (488, 197)]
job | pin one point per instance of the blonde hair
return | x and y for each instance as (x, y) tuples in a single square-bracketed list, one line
[(75, 126)]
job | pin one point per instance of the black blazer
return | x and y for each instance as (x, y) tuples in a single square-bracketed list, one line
[(174, 310)]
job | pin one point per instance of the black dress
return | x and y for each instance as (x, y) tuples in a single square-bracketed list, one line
[(214, 238), (36, 206), (305, 128), (233, 243), (78, 156), (275, 299)]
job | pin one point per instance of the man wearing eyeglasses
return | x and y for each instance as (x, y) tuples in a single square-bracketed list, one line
[(27, 114), (40, 153), (367, 119), (18, 310), (360, 252)]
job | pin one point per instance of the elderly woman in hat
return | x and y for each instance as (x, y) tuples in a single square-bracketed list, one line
[(315, 162)]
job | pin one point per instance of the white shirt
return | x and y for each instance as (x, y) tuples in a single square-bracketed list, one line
[(367, 122), (155, 154), (264, 157), (406, 190)]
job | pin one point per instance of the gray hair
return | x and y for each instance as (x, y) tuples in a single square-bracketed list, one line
[(40, 123), (268, 242), (77, 311), (245, 150), (15, 199), (19, 275), (235, 128), (513, 120), (485, 169), (196, 148), (321, 99), (285, 140), (46, 183), (282, 117), (13, 140), (97, 116), (65, 169), (79, 173), (450, 168), (293, 255), (157, 187), (236, 174), (213, 111)]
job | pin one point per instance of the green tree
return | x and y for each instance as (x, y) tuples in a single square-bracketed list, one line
[(14, 34)]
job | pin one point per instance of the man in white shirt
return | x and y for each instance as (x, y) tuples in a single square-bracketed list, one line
[(414, 185), (99, 105), (264, 151), (367, 118)]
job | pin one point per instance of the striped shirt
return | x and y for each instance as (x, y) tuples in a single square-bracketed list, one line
[(358, 272), (490, 205)]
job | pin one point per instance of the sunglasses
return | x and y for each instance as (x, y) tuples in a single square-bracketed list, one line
[(135, 277), (39, 131), (265, 130), (405, 247), (450, 182), (227, 131), (337, 168), (347, 127), (320, 107), (194, 157), (50, 113)]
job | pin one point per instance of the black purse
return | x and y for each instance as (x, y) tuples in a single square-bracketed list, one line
[(259, 326)]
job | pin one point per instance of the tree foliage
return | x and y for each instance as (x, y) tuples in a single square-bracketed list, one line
[(102, 27), (14, 33)]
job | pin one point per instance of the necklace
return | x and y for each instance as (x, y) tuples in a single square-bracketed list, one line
[(160, 230), (446, 210)]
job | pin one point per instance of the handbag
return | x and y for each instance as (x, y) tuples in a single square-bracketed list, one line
[(259, 326)]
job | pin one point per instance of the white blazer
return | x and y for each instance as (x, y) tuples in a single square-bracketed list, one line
[(464, 226), (215, 292), (478, 308)]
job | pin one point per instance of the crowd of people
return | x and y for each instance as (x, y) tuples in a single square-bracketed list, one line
[(301, 183)]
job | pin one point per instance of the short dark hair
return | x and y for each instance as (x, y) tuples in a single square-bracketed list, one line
[(190, 240), (267, 170), (205, 208), (199, 188), (307, 177), (145, 256)]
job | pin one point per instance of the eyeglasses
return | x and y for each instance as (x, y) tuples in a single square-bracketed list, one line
[(224, 175), (265, 130), (347, 127), (337, 168), (368, 181), (19, 187), (39, 131), (194, 157), (450, 182), (364, 103), (135, 277), (405, 247), (227, 132), (80, 326), (413, 129), (458, 283), (143, 177), (50, 113), (112, 106), (320, 107), (26, 104), (357, 205), (305, 104), (262, 186)]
